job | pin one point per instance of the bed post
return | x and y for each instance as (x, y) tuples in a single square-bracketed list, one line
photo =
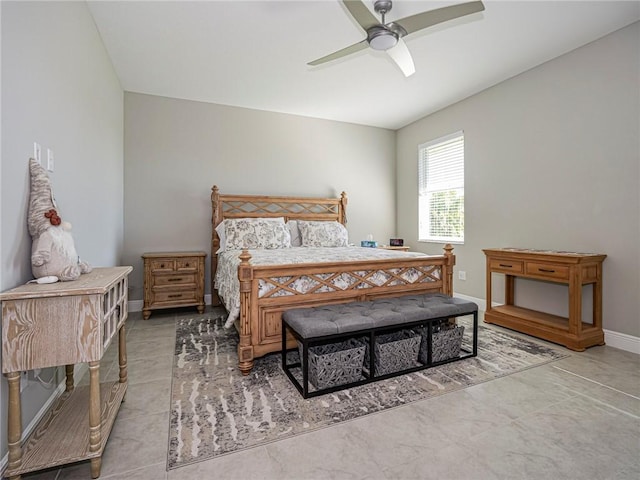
[(216, 218), (342, 209), (450, 262), (245, 348)]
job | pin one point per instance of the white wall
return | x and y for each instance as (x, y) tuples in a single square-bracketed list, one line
[(552, 161), (176, 150), (59, 89)]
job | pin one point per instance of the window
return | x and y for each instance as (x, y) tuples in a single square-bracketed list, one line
[(441, 189)]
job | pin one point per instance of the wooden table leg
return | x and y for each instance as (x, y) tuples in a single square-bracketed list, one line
[(94, 416), (14, 428), (122, 354), (69, 374)]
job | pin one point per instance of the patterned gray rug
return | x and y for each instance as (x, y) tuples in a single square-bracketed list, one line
[(215, 410)]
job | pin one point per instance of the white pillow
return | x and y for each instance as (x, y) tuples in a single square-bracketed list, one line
[(296, 240), (255, 233), (323, 234), (221, 236)]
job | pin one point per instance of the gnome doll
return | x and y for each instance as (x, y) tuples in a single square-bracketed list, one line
[(52, 251)]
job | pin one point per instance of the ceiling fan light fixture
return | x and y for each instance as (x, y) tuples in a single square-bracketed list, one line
[(381, 39)]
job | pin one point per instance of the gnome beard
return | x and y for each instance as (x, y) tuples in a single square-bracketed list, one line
[(52, 251)]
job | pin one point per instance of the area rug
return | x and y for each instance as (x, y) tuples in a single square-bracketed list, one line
[(216, 411)]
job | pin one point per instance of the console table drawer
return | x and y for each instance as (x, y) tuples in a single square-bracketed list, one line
[(506, 266), (551, 272)]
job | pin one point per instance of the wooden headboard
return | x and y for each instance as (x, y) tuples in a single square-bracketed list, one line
[(291, 208)]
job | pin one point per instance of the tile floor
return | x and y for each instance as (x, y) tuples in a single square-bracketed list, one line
[(578, 418)]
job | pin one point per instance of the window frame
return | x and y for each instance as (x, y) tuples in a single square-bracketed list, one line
[(423, 189)]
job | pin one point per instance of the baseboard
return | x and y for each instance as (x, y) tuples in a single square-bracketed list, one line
[(622, 341), (482, 304), (135, 305)]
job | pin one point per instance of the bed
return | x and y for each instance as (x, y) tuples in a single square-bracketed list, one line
[(256, 282)]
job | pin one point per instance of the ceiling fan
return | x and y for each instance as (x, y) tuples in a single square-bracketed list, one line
[(388, 36)]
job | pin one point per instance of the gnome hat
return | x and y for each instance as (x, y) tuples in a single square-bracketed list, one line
[(42, 205)]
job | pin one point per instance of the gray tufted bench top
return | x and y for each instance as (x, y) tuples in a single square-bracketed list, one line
[(354, 316)]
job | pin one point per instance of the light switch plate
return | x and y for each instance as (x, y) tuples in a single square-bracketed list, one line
[(37, 152), (49, 159)]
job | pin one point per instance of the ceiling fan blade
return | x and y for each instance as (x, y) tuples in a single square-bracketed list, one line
[(401, 55), (356, 47), (361, 14), (433, 17)]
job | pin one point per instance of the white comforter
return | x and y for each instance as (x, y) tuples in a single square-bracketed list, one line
[(228, 285)]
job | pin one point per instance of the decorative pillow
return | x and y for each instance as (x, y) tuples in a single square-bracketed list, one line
[(221, 236), (256, 233), (296, 240), (323, 234)]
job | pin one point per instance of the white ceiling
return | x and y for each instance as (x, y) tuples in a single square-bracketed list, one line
[(254, 54)]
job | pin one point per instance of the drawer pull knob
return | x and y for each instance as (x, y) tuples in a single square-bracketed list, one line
[(187, 264), (162, 265), (174, 279), (175, 296), (504, 265), (547, 270)]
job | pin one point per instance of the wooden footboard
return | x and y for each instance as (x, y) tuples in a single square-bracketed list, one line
[(260, 315)]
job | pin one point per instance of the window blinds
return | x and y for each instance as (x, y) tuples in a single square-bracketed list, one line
[(441, 189)]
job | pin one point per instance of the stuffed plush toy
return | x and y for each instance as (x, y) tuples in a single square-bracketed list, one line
[(52, 251)]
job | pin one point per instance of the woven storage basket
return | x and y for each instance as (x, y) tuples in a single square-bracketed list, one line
[(335, 363), (394, 351), (445, 343)]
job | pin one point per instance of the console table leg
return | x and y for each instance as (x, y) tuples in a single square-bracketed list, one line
[(94, 416), (122, 354), (68, 369), (96, 465), (14, 428), (509, 289)]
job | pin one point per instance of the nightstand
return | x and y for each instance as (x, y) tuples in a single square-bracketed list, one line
[(173, 279)]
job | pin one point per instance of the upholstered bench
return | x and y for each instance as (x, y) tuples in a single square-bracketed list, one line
[(330, 324)]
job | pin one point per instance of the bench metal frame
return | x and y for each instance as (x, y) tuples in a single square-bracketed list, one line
[(370, 376)]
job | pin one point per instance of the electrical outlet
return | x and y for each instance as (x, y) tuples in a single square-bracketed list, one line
[(37, 152), (49, 159), (462, 275)]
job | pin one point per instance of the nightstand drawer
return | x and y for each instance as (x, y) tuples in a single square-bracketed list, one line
[(552, 272), (506, 266), (174, 280), (174, 296), (187, 265), (163, 265)]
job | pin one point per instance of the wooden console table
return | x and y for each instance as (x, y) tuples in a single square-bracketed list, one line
[(56, 324), (572, 269)]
